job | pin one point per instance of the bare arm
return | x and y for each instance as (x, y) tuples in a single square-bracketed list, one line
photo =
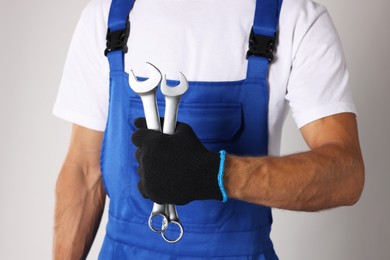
[(331, 174), (80, 196)]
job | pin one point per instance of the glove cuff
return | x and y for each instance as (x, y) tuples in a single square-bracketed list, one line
[(221, 172)]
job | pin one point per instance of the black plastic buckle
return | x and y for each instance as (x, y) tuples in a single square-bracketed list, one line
[(117, 40), (261, 45)]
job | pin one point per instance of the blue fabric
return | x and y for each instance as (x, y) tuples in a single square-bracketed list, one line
[(229, 116), (119, 12), (265, 23), (117, 18), (116, 250)]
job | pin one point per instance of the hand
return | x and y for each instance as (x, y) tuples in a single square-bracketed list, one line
[(175, 169)]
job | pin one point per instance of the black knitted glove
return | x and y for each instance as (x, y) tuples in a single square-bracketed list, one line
[(175, 169)]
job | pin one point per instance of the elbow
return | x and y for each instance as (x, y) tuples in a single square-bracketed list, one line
[(357, 182)]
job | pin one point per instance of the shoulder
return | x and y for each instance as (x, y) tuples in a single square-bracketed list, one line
[(297, 16), (300, 13), (303, 19), (99, 4), (302, 7), (96, 11)]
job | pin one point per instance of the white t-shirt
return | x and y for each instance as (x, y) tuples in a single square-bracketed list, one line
[(207, 40)]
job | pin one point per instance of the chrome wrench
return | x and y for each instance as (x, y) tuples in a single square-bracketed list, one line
[(172, 98), (147, 91)]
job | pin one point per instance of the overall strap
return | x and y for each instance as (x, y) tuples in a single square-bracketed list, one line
[(263, 37), (118, 33)]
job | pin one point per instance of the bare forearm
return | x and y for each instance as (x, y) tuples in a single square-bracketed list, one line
[(79, 206), (325, 177)]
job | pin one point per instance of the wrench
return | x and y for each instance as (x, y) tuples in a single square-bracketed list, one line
[(172, 98), (147, 92)]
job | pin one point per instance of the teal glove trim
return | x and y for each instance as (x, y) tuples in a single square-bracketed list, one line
[(220, 175)]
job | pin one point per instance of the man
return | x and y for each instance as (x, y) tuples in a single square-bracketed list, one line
[(229, 108)]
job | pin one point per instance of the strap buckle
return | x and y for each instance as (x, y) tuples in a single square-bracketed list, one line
[(261, 45), (117, 40)]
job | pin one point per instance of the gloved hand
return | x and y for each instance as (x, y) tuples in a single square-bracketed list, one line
[(175, 169)]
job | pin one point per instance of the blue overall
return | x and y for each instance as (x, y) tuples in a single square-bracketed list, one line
[(231, 116)]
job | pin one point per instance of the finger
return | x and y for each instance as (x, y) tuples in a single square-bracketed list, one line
[(140, 172), (140, 122), (138, 154), (183, 127), (142, 135), (138, 136), (142, 190)]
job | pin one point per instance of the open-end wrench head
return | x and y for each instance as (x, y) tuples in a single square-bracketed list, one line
[(147, 86), (176, 90)]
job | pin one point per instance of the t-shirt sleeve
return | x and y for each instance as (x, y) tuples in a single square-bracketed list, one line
[(318, 83), (83, 93)]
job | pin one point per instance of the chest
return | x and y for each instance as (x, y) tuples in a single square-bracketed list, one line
[(206, 40)]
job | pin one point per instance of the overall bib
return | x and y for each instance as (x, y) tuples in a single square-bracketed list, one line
[(231, 116)]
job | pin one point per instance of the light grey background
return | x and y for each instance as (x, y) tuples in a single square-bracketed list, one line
[(34, 39)]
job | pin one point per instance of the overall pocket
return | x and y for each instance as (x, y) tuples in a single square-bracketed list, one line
[(216, 125)]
